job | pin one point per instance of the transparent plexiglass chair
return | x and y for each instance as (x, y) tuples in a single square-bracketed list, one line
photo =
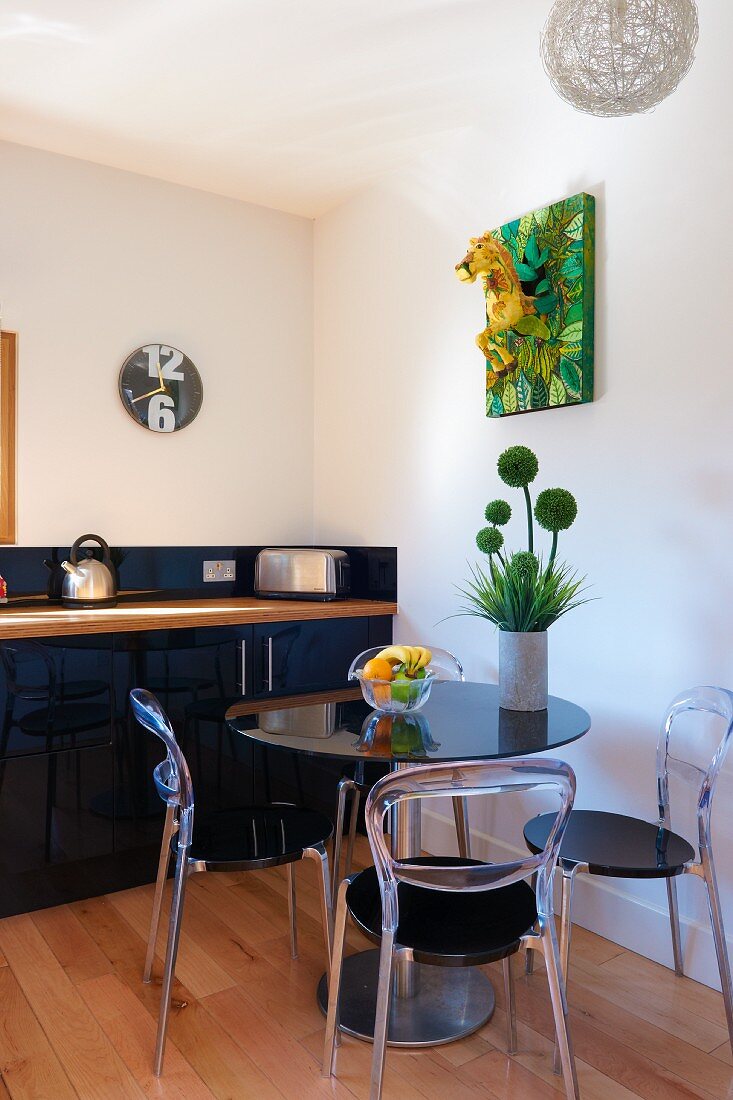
[(616, 846), (358, 779), (455, 912), (246, 839)]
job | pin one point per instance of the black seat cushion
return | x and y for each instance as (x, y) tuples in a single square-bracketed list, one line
[(66, 690), (614, 845), (255, 836), (64, 718), (81, 689), (446, 927)]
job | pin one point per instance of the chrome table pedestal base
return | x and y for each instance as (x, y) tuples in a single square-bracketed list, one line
[(451, 1002)]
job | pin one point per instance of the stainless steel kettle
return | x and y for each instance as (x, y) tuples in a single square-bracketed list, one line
[(89, 583)]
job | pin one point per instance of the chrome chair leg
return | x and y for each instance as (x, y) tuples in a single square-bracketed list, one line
[(381, 1022), (355, 800), (674, 921), (292, 913), (339, 937), (320, 856), (721, 947), (559, 1010), (529, 954), (163, 863), (174, 933), (345, 785), (463, 832), (566, 904), (510, 1004)]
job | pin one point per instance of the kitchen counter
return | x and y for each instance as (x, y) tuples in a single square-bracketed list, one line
[(42, 618)]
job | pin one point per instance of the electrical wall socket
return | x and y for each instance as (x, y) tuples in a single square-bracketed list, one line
[(220, 570)]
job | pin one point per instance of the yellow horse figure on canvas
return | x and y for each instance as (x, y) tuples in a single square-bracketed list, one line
[(506, 302)]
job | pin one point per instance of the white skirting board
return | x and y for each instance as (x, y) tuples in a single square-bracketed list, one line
[(603, 906)]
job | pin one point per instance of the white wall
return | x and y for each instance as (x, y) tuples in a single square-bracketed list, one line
[(95, 262), (405, 455)]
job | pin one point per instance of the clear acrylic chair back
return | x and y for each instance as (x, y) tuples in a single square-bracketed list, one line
[(686, 755), (172, 777), (467, 780)]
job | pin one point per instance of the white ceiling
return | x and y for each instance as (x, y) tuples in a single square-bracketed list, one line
[(289, 103)]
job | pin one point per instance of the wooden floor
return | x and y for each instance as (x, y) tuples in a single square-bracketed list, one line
[(76, 1020)]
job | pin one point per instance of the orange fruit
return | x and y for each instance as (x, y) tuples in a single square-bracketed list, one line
[(382, 695), (383, 735), (377, 669)]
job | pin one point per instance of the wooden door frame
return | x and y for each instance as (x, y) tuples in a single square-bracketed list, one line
[(8, 421)]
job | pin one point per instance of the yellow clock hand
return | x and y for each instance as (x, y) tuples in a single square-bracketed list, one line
[(160, 376), (161, 389)]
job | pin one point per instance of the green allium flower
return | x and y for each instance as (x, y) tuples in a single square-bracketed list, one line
[(489, 540), (517, 466), (555, 509), (524, 565), (498, 512)]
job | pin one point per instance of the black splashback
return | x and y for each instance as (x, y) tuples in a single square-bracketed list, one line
[(157, 572)]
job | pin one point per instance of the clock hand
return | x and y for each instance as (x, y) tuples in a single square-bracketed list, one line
[(160, 376), (161, 389)]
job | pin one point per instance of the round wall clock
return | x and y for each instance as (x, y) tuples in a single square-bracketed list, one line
[(161, 388)]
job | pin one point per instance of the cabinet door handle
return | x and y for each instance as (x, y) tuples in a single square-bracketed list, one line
[(243, 666), (268, 678)]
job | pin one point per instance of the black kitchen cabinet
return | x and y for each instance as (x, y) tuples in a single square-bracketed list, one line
[(56, 845), (55, 694), (297, 657), (56, 762), (196, 674), (79, 814)]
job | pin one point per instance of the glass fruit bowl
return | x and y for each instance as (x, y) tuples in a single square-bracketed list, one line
[(396, 696)]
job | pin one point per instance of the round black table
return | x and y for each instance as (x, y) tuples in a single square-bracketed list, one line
[(460, 721)]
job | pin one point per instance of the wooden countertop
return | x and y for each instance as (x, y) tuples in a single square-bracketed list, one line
[(52, 619)]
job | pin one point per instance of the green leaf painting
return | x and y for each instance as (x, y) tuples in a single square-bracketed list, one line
[(532, 326), (537, 274), (509, 397), (572, 332), (574, 228), (540, 398), (524, 391), (556, 391), (569, 375)]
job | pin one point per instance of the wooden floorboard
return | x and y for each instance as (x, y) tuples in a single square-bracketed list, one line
[(77, 1022)]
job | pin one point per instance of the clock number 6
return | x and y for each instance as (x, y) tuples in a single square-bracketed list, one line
[(161, 417), (169, 369)]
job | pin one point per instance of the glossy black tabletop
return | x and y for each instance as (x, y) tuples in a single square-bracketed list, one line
[(460, 721)]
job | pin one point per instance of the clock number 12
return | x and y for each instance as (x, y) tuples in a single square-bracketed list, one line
[(169, 369)]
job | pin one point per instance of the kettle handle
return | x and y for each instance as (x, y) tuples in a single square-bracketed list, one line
[(87, 538)]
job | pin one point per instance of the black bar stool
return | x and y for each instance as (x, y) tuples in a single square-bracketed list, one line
[(617, 846), (454, 912), (246, 839)]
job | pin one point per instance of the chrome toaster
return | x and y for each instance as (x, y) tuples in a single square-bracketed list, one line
[(305, 574)]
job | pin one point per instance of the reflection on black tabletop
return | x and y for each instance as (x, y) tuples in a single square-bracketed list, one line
[(522, 731)]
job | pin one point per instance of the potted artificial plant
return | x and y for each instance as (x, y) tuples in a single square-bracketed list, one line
[(517, 592)]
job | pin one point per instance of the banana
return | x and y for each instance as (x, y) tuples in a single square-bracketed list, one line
[(413, 657), (425, 657), (396, 655)]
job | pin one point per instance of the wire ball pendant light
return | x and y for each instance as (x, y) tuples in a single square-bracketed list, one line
[(618, 57)]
